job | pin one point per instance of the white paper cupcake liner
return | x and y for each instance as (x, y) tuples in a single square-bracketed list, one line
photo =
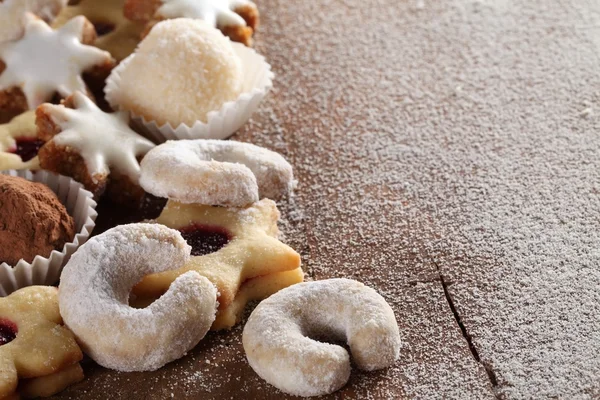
[(46, 271), (258, 80)]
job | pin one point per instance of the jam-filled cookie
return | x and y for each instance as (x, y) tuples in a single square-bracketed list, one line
[(231, 247), (98, 149), (38, 355), (19, 143)]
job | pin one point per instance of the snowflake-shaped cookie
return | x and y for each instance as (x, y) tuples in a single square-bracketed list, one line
[(103, 142), (116, 34), (235, 248), (215, 12), (35, 344), (236, 18), (46, 61), (12, 12)]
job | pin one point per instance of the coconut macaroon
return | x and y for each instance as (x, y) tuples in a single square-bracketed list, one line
[(180, 72)]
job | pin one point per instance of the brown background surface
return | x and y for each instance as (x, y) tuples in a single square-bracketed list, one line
[(397, 116)]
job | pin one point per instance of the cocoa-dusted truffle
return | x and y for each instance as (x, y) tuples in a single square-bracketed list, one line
[(32, 220)]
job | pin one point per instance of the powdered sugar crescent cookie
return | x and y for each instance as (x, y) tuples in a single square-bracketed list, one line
[(36, 351), (116, 34), (230, 246), (237, 19), (98, 149), (19, 143), (215, 172), (278, 337), (94, 294), (12, 12), (62, 56)]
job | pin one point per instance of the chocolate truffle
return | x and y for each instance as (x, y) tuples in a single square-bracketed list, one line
[(32, 220)]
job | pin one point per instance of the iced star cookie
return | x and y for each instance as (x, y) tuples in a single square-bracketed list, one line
[(237, 19), (12, 12), (38, 355), (116, 34), (98, 149), (44, 62), (230, 246), (19, 143)]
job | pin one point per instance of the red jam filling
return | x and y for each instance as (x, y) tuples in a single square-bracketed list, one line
[(103, 28), (27, 148), (205, 239), (8, 331)]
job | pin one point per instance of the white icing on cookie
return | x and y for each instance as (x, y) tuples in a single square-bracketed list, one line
[(215, 12), (104, 140), (12, 12), (45, 61)]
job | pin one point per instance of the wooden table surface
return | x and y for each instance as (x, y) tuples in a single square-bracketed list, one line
[(384, 108)]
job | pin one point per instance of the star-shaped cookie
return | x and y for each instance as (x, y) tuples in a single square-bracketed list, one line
[(12, 11), (35, 347), (116, 34), (18, 142), (46, 61), (94, 147), (238, 19), (247, 248)]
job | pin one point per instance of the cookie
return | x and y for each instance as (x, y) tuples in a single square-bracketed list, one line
[(12, 12), (96, 148), (19, 143), (116, 34), (237, 19), (230, 246), (61, 57), (34, 345)]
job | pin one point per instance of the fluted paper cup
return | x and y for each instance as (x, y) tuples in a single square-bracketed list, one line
[(80, 205), (220, 124)]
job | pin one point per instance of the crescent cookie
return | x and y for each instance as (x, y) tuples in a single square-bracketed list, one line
[(37, 353), (278, 337), (237, 19), (215, 172), (244, 247), (94, 299), (64, 54)]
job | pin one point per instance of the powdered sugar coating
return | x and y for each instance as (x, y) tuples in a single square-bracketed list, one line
[(12, 11), (278, 344), (45, 61), (215, 12), (181, 71), (94, 294), (215, 172)]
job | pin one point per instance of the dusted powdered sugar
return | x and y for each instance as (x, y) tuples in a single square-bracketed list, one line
[(279, 335), (215, 172), (94, 293), (180, 72)]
